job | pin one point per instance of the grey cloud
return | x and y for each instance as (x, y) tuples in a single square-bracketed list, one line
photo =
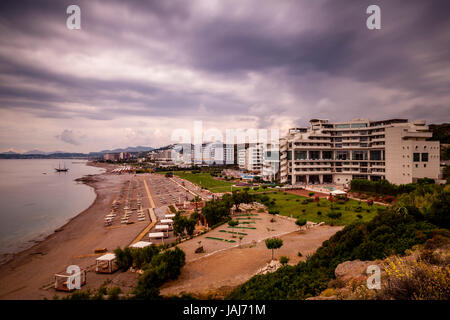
[(304, 49), (69, 137)]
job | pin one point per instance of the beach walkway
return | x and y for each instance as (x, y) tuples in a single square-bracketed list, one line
[(151, 214)]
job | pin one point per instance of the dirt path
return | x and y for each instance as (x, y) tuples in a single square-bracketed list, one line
[(215, 275)]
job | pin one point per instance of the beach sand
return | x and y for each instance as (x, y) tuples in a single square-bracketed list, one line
[(30, 274)]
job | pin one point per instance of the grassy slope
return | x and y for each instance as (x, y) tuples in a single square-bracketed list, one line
[(288, 205), (205, 180)]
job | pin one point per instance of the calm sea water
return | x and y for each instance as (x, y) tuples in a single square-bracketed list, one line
[(34, 204)]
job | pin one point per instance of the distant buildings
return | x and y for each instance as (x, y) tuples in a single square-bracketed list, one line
[(395, 150), (117, 156), (111, 156)]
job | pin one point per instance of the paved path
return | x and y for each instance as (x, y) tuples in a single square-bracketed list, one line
[(152, 216)]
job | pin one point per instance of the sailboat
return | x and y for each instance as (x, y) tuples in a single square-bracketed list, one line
[(59, 169)]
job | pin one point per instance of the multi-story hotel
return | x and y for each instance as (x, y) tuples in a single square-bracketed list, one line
[(251, 158), (395, 150)]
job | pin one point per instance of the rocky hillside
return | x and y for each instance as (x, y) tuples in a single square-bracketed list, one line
[(422, 273)]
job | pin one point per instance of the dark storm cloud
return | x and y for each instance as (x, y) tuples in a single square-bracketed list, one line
[(226, 61)]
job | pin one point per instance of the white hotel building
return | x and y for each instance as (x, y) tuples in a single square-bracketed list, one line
[(336, 153)]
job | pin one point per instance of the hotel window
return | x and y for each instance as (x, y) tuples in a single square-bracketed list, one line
[(313, 155), (299, 155), (342, 155), (327, 154), (424, 157), (424, 165)]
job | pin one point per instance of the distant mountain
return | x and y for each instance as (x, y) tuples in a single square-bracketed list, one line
[(9, 152), (129, 149), (35, 152)]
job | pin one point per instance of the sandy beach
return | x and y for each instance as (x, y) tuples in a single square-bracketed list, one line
[(223, 265), (29, 275)]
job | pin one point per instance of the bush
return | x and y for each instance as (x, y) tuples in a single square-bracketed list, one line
[(334, 215), (311, 194), (299, 254), (113, 293), (359, 216), (300, 222), (124, 258), (319, 213), (284, 260)]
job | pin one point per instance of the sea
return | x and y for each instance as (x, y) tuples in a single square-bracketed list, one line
[(35, 200)]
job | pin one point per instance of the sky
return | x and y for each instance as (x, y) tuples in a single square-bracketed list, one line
[(138, 70)]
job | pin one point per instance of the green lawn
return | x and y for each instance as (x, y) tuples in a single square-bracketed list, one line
[(289, 206), (206, 180)]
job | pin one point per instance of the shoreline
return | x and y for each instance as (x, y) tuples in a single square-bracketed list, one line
[(73, 243), (9, 256)]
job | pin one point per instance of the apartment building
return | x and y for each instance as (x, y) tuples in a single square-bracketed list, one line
[(251, 158), (324, 152)]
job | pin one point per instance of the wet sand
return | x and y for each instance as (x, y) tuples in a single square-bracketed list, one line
[(29, 275)]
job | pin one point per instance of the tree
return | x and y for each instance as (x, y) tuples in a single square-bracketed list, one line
[(232, 224), (216, 211), (179, 224), (300, 222), (241, 197), (273, 244), (196, 200), (190, 225)]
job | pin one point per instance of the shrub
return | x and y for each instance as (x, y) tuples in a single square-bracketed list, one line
[(334, 215), (284, 260), (124, 258), (300, 222), (417, 280), (311, 194), (299, 254), (113, 293), (359, 216), (319, 213)]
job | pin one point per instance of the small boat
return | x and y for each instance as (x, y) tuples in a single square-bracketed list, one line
[(59, 169)]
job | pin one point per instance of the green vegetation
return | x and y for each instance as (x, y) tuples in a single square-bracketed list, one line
[(300, 222), (183, 226), (232, 224), (220, 239), (273, 244), (417, 218), (217, 211), (163, 266), (158, 268), (441, 132), (317, 211), (284, 260), (388, 233), (205, 180), (383, 187), (233, 232), (135, 257)]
